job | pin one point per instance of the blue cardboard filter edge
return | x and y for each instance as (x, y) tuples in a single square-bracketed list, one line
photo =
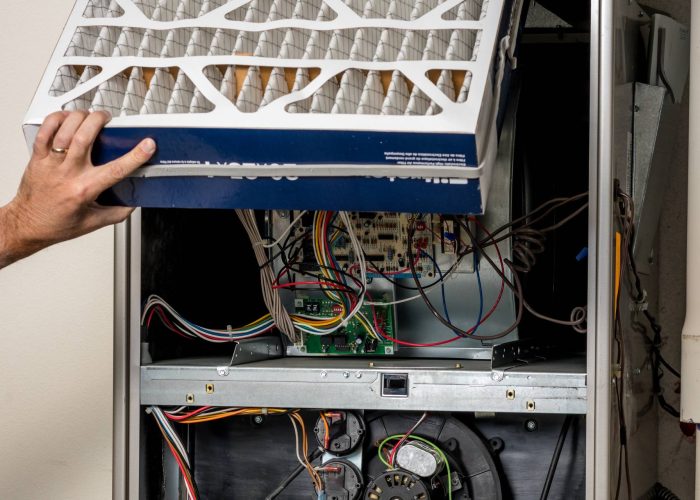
[(304, 193), (217, 146), (296, 147)]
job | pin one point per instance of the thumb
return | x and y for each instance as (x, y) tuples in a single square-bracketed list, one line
[(111, 173)]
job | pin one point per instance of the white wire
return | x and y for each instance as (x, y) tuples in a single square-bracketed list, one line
[(175, 440), (204, 333), (172, 434), (417, 296), (271, 296), (284, 233), (296, 439)]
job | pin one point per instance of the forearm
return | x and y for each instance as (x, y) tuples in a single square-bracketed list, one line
[(14, 245)]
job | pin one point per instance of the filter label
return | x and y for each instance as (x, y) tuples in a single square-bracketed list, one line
[(419, 158)]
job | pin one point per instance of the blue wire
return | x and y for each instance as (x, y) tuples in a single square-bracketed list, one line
[(442, 284)]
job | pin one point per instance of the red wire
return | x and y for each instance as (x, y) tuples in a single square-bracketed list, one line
[(281, 275), (454, 339), (166, 321), (150, 317), (322, 283), (181, 465), (163, 317), (392, 455), (187, 415)]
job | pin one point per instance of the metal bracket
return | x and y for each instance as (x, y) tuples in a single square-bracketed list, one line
[(251, 350), (655, 130), (516, 353)]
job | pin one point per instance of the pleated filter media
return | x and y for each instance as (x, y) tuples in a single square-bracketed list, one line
[(376, 67)]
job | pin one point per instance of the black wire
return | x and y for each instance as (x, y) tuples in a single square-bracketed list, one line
[(557, 202), (401, 285), (655, 342), (283, 248), (528, 242), (519, 294), (421, 290), (528, 221), (555, 458), (292, 476), (625, 213)]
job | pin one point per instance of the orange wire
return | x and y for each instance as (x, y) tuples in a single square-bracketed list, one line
[(327, 437)]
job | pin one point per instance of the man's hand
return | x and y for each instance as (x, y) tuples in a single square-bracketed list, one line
[(56, 198)]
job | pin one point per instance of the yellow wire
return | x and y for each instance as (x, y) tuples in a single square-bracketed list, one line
[(318, 483), (365, 323), (317, 322), (319, 246), (317, 477), (259, 320), (244, 411)]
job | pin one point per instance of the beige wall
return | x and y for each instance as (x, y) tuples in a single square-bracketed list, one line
[(55, 310)]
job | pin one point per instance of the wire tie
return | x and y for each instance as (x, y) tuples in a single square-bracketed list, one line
[(640, 305)]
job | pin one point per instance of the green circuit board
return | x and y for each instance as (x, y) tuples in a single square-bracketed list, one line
[(353, 339)]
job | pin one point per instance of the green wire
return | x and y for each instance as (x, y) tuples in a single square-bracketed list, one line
[(433, 445)]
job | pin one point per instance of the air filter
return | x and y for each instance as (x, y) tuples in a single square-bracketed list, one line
[(378, 104)]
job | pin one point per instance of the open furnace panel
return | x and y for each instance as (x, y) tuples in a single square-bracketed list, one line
[(490, 405)]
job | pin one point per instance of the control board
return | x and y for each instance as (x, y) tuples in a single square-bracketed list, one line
[(352, 339)]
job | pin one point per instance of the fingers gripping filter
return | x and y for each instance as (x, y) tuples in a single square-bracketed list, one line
[(291, 72)]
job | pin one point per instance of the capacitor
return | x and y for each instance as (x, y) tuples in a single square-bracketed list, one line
[(420, 459)]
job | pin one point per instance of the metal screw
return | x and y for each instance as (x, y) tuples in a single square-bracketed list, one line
[(324, 373), (358, 375), (346, 374), (531, 425), (496, 376), (258, 419)]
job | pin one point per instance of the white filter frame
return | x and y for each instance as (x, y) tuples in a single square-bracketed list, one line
[(346, 44)]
